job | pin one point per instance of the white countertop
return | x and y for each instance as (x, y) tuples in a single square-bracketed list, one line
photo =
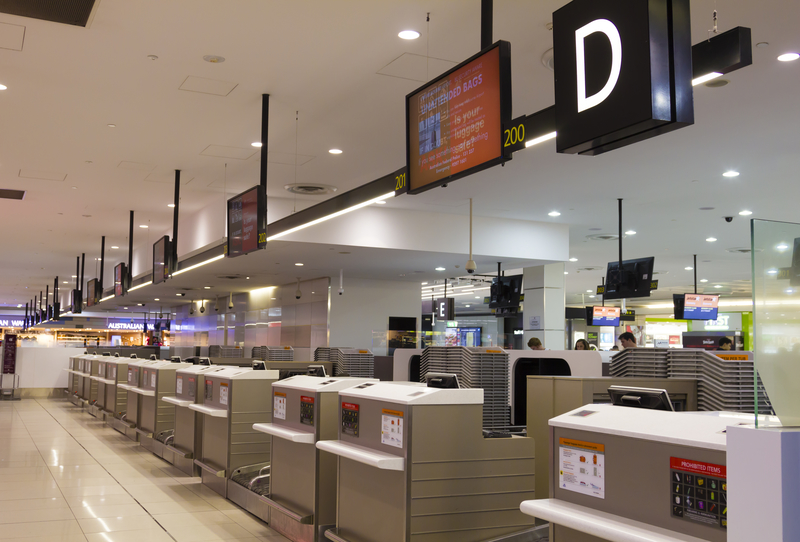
[(412, 393), (698, 429), (199, 369), (320, 383)]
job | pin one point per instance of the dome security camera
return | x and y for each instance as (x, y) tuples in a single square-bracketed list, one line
[(728, 219), (230, 304), (298, 294), (202, 310), (471, 266), (341, 291)]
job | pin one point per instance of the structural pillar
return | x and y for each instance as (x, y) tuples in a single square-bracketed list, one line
[(543, 308)]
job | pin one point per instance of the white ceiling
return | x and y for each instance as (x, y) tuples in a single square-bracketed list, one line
[(342, 66)]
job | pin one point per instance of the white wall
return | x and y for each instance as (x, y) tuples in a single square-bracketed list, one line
[(366, 307), (44, 367)]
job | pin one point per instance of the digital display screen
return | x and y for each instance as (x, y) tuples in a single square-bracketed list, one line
[(120, 278), (246, 222), (161, 259), (454, 125), (92, 292), (605, 316), (700, 307)]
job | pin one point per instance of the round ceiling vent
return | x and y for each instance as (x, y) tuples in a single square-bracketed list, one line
[(661, 272), (591, 268), (603, 237), (310, 189), (716, 83), (229, 277)]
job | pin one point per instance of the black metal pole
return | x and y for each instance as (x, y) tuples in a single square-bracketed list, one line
[(83, 268), (47, 302), (102, 261), (130, 251), (695, 273), (177, 203), (486, 23), (498, 269), (78, 273), (40, 306), (26, 317), (603, 296), (620, 237), (264, 153), (56, 303)]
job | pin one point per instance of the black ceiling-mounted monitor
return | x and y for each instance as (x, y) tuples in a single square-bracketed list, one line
[(505, 292), (677, 302), (699, 306), (603, 316), (454, 124), (162, 260), (120, 279), (650, 398), (92, 293), (247, 222), (442, 380), (633, 280)]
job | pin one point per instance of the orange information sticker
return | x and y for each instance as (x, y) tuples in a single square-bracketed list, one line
[(591, 446), (392, 412), (733, 357)]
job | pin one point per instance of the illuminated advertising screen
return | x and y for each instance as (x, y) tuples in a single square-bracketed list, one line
[(700, 307), (246, 222), (605, 316), (120, 279), (92, 293), (454, 124), (162, 257)]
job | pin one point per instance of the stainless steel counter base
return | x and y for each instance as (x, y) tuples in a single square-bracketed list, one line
[(95, 411), (75, 400), (248, 500), (291, 526)]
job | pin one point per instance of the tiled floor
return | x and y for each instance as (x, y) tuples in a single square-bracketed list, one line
[(67, 477)]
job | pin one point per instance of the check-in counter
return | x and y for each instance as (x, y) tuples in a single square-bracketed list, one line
[(90, 370), (157, 417), (414, 465), (115, 397), (74, 379), (302, 494), (635, 475), (97, 409), (133, 404), (235, 399), (187, 441)]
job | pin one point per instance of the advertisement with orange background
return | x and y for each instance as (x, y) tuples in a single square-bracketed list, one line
[(455, 124)]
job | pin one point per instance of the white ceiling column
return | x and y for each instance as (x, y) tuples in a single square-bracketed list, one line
[(543, 308)]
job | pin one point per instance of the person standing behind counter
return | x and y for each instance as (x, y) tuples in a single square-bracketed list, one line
[(535, 344), (628, 340), (582, 344)]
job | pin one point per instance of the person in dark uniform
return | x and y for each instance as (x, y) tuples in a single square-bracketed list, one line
[(725, 344)]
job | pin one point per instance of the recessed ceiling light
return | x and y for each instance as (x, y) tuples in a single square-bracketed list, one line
[(718, 286), (573, 259), (298, 264), (789, 291), (630, 232), (731, 173), (688, 268), (170, 205), (440, 269), (126, 308), (566, 272), (112, 125), (745, 213), (207, 287), (65, 282), (424, 283), (257, 144), (591, 297), (553, 213), (772, 272), (477, 297), (247, 278), (19, 306), (703, 280), (335, 151), (466, 306), (114, 247), (74, 276), (156, 299), (408, 34), (711, 239), (143, 226), (3, 87), (788, 57), (782, 246), (588, 291), (179, 294)]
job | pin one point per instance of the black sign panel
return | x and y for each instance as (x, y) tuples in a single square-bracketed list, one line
[(623, 71), (162, 260), (10, 354), (445, 308), (247, 222)]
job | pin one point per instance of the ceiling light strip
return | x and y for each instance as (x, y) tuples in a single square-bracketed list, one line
[(705, 78), (330, 216), (142, 285), (195, 266), (106, 298)]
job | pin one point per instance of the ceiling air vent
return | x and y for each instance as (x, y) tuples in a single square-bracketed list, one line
[(603, 237), (591, 268), (74, 12), (229, 277), (742, 250), (6, 193), (306, 189)]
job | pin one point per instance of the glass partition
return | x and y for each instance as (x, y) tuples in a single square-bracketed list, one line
[(776, 315)]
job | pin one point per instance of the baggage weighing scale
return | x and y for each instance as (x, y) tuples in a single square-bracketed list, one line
[(98, 408), (90, 369), (157, 417), (235, 398), (302, 494), (74, 379), (186, 442), (115, 397), (414, 466)]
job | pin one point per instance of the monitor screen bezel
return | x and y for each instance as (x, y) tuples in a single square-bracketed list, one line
[(158, 278), (261, 226), (659, 397)]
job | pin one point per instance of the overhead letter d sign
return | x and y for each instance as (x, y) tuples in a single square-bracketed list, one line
[(606, 27)]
